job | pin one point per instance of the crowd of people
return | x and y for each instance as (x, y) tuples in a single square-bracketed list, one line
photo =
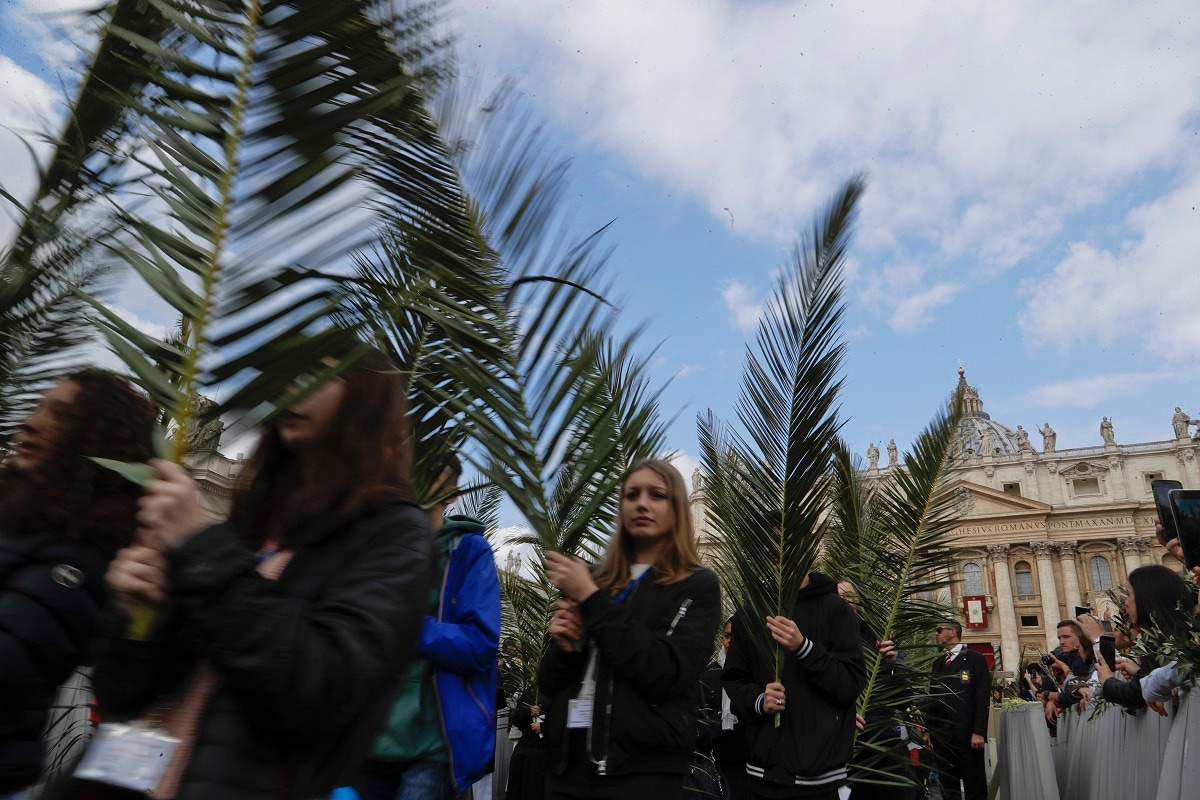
[(1117, 660), (333, 635)]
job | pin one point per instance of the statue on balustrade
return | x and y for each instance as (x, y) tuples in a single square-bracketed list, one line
[(1049, 438), (1180, 423)]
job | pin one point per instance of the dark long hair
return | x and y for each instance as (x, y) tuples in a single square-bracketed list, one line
[(68, 493), (363, 459), (1162, 598)]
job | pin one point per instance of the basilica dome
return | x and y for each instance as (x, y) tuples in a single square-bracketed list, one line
[(978, 433)]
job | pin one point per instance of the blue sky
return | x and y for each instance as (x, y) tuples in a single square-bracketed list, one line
[(1034, 176)]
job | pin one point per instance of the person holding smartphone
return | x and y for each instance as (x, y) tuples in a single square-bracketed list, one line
[(1156, 597)]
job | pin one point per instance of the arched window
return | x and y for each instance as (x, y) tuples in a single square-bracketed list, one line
[(1101, 573), (1024, 579), (972, 578)]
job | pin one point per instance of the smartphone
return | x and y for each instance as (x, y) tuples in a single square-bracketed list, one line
[(1162, 504), (1186, 505), (1081, 610), (1108, 649)]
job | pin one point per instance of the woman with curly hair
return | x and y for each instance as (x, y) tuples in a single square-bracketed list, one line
[(280, 632), (62, 518), (630, 641)]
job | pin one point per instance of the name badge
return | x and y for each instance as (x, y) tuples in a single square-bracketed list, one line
[(965, 676), (130, 756), (579, 712)]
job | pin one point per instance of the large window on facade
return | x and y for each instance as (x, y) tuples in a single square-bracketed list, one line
[(1024, 579), (972, 578), (1101, 573)]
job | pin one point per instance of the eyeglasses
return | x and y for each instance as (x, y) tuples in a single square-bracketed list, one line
[(941, 628)]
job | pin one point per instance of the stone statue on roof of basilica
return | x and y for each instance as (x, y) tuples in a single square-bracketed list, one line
[(1049, 438), (1180, 423)]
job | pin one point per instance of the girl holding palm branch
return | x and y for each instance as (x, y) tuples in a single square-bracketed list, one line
[(630, 640)]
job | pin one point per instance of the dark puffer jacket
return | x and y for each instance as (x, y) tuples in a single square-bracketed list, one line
[(816, 736), (303, 664), (653, 647), (51, 590)]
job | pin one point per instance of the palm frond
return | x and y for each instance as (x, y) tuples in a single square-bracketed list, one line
[(524, 624), (43, 324), (261, 126), (481, 501), (891, 541), (560, 410), (768, 488), (88, 158)]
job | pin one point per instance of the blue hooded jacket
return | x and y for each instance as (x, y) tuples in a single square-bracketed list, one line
[(461, 644)]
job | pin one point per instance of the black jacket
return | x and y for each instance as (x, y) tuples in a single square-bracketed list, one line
[(653, 647), (963, 695), (1128, 694), (51, 590), (815, 737), (303, 664)]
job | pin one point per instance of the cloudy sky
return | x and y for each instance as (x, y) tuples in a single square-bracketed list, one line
[(1034, 175)]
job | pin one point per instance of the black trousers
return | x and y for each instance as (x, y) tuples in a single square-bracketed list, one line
[(646, 786), (961, 761), (764, 790)]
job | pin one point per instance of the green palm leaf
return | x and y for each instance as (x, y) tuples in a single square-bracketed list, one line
[(43, 327), (42, 320), (523, 625), (262, 126), (88, 158), (768, 488), (891, 540), (559, 412)]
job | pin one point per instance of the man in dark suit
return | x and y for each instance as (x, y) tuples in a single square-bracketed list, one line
[(959, 716)]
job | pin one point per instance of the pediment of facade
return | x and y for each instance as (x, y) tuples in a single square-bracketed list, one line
[(1085, 469), (975, 500)]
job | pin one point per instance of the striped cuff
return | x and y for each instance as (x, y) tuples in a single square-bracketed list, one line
[(805, 648), (834, 776), (760, 703)]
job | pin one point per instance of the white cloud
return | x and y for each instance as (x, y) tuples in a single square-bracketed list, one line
[(1089, 392), (916, 311), (1145, 288), (743, 305), (985, 130), (155, 329), (905, 293), (58, 31), (684, 370), (26, 105)]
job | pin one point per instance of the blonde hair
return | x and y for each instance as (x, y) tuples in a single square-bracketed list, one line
[(674, 563)]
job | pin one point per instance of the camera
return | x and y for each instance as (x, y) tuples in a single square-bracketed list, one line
[(1047, 659)]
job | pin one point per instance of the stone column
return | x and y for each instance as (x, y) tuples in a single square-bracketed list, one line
[(1010, 647), (1129, 551), (1050, 610), (1070, 572)]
